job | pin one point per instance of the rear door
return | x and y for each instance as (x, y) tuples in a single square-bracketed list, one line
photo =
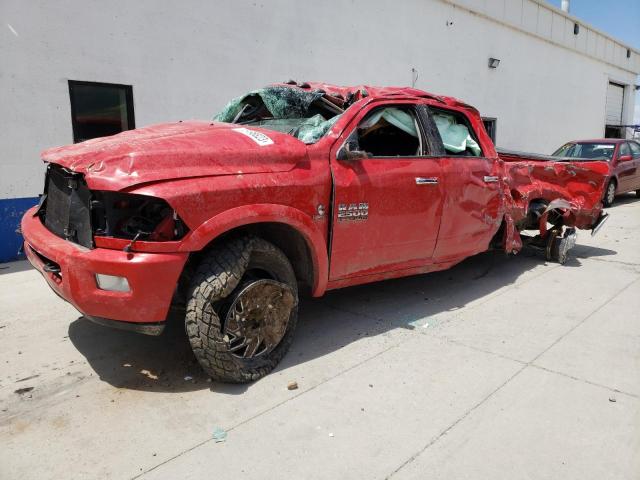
[(387, 201), (626, 170), (635, 152), (472, 211)]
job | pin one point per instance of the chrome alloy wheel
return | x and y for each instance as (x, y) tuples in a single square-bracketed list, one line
[(257, 318), (611, 193)]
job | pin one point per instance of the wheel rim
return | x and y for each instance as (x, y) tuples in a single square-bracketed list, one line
[(611, 193), (257, 318)]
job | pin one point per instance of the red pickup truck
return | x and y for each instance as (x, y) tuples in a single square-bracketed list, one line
[(293, 187)]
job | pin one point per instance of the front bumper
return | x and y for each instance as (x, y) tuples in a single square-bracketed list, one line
[(70, 271)]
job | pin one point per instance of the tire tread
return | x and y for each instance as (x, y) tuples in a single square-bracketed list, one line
[(218, 274)]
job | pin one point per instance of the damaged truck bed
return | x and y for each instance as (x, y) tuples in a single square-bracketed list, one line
[(547, 193), (292, 187)]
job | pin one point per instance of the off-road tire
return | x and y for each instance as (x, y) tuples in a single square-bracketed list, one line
[(638, 193), (218, 273), (607, 201)]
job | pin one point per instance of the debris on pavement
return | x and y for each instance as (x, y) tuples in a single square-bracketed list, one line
[(219, 435), (612, 399), (22, 391), (148, 374), (292, 386)]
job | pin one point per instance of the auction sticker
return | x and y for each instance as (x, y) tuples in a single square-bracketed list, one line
[(260, 138)]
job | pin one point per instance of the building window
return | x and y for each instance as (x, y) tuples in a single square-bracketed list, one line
[(100, 109), (490, 125)]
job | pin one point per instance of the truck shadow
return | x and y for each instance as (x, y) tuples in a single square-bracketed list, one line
[(166, 364), (14, 267), (139, 362)]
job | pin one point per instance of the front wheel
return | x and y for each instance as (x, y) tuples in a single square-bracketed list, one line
[(242, 309), (609, 194)]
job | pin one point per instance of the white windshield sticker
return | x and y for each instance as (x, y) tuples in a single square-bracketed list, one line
[(260, 138)]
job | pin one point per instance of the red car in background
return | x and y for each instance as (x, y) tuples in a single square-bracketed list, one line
[(623, 157)]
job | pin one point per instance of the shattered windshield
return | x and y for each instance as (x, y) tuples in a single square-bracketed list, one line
[(302, 113), (591, 150)]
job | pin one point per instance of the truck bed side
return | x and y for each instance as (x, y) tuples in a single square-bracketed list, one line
[(579, 182)]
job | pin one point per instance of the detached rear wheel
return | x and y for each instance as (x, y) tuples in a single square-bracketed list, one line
[(609, 194), (242, 309)]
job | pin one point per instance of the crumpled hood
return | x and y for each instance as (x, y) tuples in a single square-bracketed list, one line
[(178, 150)]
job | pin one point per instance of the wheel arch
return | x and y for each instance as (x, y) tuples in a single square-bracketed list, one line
[(288, 228)]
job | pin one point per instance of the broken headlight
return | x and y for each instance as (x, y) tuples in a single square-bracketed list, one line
[(135, 217)]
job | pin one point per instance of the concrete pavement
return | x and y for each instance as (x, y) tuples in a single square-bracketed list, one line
[(503, 367)]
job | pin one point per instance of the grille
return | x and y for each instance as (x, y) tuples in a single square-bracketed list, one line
[(66, 208)]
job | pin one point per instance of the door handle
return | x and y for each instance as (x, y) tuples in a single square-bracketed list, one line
[(489, 179), (426, 180)]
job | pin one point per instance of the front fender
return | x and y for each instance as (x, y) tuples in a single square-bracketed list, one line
[(262, 213)]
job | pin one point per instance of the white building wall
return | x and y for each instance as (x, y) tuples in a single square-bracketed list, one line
[(186, 59)]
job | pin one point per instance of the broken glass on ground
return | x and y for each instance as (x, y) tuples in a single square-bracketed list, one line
[(219, 435)]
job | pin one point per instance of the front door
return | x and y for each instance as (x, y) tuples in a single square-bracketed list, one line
[(388, 194), (635, 153)]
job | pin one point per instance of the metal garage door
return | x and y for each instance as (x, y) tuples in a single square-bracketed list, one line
[(615, 97)]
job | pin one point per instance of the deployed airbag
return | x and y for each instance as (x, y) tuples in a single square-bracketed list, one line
[(393, 116), (455, 136)]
